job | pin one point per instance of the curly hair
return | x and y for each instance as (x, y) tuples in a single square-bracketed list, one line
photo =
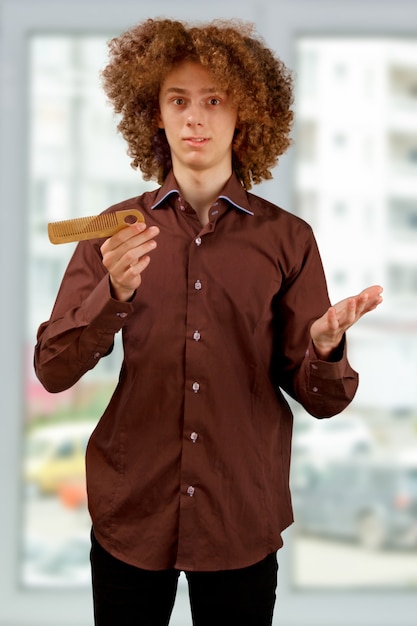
[(259, 84)]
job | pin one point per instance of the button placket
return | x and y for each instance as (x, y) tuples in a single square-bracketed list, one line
[(195, 373)]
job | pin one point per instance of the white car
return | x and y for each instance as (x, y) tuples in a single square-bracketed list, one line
[(337, 437)]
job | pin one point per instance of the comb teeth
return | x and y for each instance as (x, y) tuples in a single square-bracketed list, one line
[(81, 225), (81, 228)]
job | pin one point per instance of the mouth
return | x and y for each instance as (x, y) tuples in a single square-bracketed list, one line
[(196, 140)]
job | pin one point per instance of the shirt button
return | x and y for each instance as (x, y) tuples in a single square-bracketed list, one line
[(315, 389), (196, 336), (193, 437), (123, 314), (196, 387), (97, 355), (190, 491), (314, 367), (197, 285), (198, 241)]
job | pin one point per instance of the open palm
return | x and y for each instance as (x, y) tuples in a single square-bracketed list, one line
[(327, 331)]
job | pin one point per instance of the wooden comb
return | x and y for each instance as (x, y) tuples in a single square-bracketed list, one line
[(104, 225)]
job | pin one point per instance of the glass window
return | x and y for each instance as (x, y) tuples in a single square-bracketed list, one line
[(354, 475), (354, 184), (78, 167)]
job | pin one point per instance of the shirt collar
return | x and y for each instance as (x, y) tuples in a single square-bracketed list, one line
[(232, 192), (168, 188)]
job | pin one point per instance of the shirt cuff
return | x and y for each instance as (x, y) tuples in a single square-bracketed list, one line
[(103, 311), (329, 370)]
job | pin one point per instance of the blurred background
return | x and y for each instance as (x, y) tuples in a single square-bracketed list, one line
[(351, 557)]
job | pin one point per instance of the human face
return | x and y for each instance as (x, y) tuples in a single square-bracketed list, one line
[(199, 120)]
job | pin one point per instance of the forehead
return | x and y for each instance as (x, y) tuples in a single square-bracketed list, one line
[(189, 76)]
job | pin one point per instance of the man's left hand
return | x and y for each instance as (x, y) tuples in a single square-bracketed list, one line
[(327, 331)]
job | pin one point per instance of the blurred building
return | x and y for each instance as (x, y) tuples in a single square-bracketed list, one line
[(356, 183), (353, 179)]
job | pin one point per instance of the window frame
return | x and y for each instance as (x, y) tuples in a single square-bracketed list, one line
[(278, 22)]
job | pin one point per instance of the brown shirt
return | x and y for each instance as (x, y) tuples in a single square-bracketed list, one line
[(189, 465)]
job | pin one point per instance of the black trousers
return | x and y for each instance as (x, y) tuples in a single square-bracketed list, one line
[(124, 595)]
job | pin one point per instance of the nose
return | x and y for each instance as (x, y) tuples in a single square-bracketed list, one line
[(194, 117), (193, 121)]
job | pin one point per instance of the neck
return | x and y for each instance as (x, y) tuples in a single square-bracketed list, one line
[(200, 189)]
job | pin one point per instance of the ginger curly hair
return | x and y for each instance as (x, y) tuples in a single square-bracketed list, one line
[(259, 84)]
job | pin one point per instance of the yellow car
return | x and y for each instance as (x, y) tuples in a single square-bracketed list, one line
[(55, 455)]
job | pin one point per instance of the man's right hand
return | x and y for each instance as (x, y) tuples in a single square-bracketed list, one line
[(126, 255)]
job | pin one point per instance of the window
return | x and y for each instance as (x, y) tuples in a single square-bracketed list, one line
[(345, 514), (77, 166), (75, 32)]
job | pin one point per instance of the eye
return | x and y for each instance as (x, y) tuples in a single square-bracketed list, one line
[(179, 101), (214, 101)]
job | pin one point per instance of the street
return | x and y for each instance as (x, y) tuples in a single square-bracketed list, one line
[(321, 563), (316, 562)]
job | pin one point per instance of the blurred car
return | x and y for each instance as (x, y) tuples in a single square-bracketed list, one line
[(370, 500), (324, 439), (65, 564), (55, 455), (72, 493)]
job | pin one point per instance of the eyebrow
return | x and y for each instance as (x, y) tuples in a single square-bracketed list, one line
[(181, 90)]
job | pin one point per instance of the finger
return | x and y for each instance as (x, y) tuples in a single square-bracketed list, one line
[(374, 290), (135, 247), (136, 268), (122, 236), (120, 252), (134, 256), (373, 293), (361, 304), (333, 319), (128, 237), (130, 279), (346, 312), (374, 299)]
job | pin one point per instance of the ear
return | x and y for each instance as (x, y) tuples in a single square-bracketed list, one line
[(159, 121)]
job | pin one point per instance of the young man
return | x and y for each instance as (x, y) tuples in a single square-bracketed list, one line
[(222, 302)]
